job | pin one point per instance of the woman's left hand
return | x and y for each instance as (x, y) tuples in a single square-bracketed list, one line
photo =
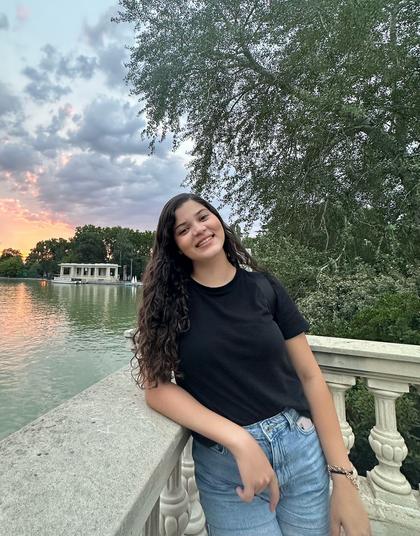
[(347, 510)]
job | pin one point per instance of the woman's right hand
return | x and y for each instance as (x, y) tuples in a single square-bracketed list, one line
[(255, 470)]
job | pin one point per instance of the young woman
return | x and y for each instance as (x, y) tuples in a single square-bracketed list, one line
[(247, 384)]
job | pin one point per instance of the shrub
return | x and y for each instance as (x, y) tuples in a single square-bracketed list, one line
[(392, 318), (333, 308)]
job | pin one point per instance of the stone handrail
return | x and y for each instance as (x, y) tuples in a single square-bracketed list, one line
[(97, 464), (389, 369), (368, 359)]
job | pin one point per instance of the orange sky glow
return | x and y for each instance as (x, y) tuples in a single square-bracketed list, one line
[(22, 229)]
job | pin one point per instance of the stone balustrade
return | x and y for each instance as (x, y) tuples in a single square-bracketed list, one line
[(389, 370), (103, 463)]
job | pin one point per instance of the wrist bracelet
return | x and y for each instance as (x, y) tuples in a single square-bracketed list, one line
[(350, 474)]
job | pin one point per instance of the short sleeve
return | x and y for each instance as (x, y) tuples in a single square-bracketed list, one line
[(287, 315)]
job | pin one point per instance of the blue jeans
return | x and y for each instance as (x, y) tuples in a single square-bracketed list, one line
[(291, 445)]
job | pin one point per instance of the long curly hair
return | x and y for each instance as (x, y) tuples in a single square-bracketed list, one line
[(163, 315)]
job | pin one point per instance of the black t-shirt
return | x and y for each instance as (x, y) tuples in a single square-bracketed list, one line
[(233, 359)]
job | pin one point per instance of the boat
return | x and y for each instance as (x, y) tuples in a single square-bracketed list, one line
[(134, 282), (68, 281)]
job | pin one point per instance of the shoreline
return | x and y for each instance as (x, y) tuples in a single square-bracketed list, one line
[(118, 283)]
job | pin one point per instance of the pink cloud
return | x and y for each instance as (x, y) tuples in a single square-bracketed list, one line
[(21, 228), (31, 178), (22, 12), (15, 209)]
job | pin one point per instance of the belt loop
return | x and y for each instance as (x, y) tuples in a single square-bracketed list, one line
[(291, 416)]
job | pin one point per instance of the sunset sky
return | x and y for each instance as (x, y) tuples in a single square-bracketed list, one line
[(70, 151)]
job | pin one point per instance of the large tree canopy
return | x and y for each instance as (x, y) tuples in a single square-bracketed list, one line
[(46, 255), (303, 112)]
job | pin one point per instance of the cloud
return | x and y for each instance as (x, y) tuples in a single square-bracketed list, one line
[(22, 13), (50, 58), (94, 188), (11, 115), (41, 88), (17, 157), (108, 39), (69, 66), (111, 61), (19, 167), (23, 214), (4, 22), (9, 103), (110, 126), (79, 67), (45, 80), (59, 119), (97, 35), (88, 165), (48, 139), (23, 227)]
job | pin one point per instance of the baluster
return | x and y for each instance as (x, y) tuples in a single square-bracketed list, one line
[(152, 524), (196, 525), (174, 505), (338, 385), (386, 480)]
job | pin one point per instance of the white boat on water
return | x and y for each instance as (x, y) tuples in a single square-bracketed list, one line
[(67, 281), (134, 282)]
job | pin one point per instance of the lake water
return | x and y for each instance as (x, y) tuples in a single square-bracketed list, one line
[(55, 341)]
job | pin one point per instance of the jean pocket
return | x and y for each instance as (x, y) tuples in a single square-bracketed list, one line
[(220, 449), (305, 425)]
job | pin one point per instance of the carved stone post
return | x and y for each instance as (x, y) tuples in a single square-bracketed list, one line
[(386, 480), (196, 526), (338, 385), (174, 505), (152, 524)]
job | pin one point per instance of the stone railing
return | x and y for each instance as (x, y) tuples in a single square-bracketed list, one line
[(389, 370), (96, 466), (103, 463)]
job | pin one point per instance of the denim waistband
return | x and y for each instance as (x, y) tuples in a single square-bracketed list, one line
[(269, 427)]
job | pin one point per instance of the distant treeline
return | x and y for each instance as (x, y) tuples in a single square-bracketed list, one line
[(90, 244)]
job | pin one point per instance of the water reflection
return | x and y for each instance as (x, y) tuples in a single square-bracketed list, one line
[(55, 341)]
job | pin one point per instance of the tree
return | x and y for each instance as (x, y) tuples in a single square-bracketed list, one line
[(296, 265), (45, 257), (88, 245), (119, 246), (128, 247), (10, 253), (302, 112), (11, 266), (143, 243)]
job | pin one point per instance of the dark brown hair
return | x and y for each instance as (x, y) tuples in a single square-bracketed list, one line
[(163, 314)]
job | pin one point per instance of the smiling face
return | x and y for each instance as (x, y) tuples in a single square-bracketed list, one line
[(198, 233)]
